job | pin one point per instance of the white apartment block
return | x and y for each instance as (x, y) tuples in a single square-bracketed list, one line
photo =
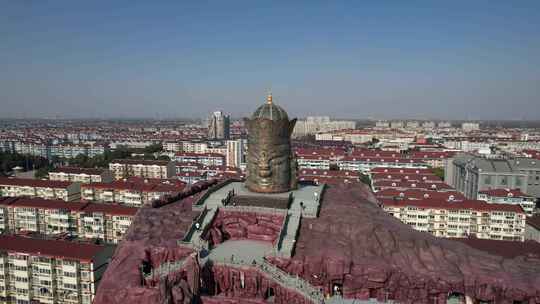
[(235, 152), (105, 222), (50, 271), (53, 217), (313, 162), (194, 147), (316, 124), (207, 159), (123, 168), (81, 175), (365, 164), (460, 219), (15, 187), (126, 193), (509, 196)]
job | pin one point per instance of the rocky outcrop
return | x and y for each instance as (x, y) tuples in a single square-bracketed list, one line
[(234, 225), (353, 243), (248, 283), (371, 254)]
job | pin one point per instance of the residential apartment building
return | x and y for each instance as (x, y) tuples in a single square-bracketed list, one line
[(207, 159), (106, 222), (81, 175), (420, 194), (123, 168), (135, 194), (470, 126), (331, 177), (315, 124), (365, 164), (219, 126), (532, 230), (313, 162), (460, 218), (470, 174), (50, 271), (47, 189), (235, 153), (509, 196)]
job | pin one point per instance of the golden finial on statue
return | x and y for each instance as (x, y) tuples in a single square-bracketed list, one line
[(269, 98)]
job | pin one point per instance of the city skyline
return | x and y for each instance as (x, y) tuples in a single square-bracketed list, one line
[(382, 61)]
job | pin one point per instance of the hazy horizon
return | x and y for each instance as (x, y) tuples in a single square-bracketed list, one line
[(379, 60)]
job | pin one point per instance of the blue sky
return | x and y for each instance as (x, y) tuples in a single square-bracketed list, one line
[(351, 59)]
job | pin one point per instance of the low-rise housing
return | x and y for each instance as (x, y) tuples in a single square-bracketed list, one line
[(460, 218), (106, 222), (130, 193), (509, 196), (207, 159), (81, 175), (47, 189), (50, 271), (123, 168)]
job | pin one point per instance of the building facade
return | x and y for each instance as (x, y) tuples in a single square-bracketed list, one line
[(123, 168), (81, 175), (509, 196), (105, 222), (50, 271), (15, 187), (460, 219), (219, 126)]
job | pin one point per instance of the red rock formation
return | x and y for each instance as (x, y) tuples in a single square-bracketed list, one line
[(232, 225), (357, 244), (353, 243), (227, 282)]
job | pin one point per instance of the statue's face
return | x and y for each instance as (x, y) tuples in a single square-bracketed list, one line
[(269, 163), (269, 156)]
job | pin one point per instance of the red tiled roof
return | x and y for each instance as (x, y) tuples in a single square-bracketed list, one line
[(143, 187), (315, 157), (420, 194), (77, 170), (406, 184), (33, 183), (401, 170), (46, 204), (331, 180), (383, 160), (51, 248), (504, 193), (111, 209), (328, 152), (328, 173), (432, 154), (140, 162), (405, 177), (193, 154), (442, 204)]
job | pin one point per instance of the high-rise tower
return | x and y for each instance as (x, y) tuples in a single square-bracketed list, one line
[(218, 126)]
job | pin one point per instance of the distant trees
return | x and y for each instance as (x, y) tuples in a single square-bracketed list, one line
[(8, 161), (438, 172), (150, 152), (42, 172)]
